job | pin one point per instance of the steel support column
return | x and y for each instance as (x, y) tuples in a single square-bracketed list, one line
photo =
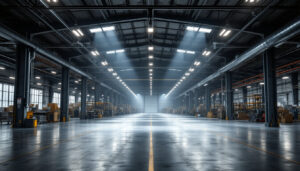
[(229, 96), (83, 98), (245, 92), (50, 100), (270, 89), (64, 97), (295, 88), (207, 99), (22, 83)]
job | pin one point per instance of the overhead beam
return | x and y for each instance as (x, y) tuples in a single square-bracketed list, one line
[(147, 7), (279, 36)]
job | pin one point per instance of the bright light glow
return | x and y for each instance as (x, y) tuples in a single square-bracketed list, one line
[(53, 72), (58, 88), (206, 53), (261, 83), (224, 32), (183, 77), (114, 74), (150, 48), (52, 1), (191, 69), (197, 63), (150, 70), (76, 81), (187, 74), (150, 64), (104, 63), (118, 78), (150, 29), (96, 30), (77, 32), (205, 85), (285, 77), (150, 74), (251, 1), (95, 53), (111, 52), (37, 77), (120, 51), (12, 78), (109, 28), (205, 30), (150, 56), (190, 52), (59, 83), (191, 28), (39, 84), (110, 69), (181, 51), (2, 68)]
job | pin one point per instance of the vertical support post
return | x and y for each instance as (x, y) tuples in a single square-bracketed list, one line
[(22, 84), (207, 99), (229, 96), (270, 89), (50, 100), (83, 98), (64, 97), (245, 91), (295, 88)]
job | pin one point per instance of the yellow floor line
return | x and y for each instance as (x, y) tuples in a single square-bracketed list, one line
[(151, 160), (260, 149)]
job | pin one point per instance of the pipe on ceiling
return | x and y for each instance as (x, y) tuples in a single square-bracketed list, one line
[(5, 32), (278, 37)]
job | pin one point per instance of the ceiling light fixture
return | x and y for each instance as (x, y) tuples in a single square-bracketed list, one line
[(150, 29), (197, 63), (2, 68), (110, 69), (224, 32), (206, 53), (96, 30), (77, 32), (150, 48), (150, 56), (53, 72), (104, 63), (109, 28), (95, 53)]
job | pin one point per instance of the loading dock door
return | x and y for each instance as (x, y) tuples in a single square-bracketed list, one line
[(151, 104)]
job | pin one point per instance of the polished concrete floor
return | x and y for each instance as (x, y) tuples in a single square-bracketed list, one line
[(151, 142)]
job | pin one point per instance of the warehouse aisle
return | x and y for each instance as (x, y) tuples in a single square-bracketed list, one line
[(150, 141)]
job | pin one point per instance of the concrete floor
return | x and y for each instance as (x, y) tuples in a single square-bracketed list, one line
[(178, 142)]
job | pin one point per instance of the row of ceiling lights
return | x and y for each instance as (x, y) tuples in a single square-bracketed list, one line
[(79, 33), (206, 53)]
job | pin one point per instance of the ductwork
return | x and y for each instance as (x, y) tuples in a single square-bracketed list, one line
[(278, 37)]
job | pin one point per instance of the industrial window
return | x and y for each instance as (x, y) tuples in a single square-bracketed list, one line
[(71, 99), (6, 95), (56, 98), (36, 97)]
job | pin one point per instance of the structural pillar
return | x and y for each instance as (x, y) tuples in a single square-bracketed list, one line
[(295, 88), (229, 96), (244, 91), (22, 84), (50, 100), (64, 97), (83, 98), (207, 99), (270, 89)]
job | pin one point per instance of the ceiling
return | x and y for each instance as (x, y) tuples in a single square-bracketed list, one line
[(51, 27)]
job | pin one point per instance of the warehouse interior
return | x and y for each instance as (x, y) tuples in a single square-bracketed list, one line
[(149, 85)]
